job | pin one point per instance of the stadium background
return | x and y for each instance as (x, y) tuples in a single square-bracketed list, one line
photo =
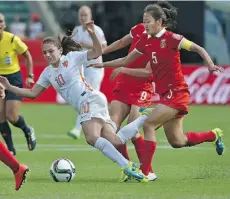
[(209, 27), (187, 173)]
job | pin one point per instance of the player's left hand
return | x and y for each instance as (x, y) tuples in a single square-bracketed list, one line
[(215, 68), (90, 27), (2, 91), (29, 81), (115, 73)]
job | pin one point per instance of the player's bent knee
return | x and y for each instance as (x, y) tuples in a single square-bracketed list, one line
[(148, 126), (12, 118), (91, 139), (177, 144)]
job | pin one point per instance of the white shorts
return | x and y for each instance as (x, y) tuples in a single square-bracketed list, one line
[(95, 105)]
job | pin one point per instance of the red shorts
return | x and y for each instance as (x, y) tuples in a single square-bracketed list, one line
[(176, 99), (138, 98)]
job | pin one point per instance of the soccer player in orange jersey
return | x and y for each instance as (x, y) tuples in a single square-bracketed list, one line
[(163, 51)]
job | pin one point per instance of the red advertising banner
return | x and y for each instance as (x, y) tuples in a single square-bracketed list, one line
[(205, 88)]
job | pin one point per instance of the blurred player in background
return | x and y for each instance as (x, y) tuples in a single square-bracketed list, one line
[(131, 93), (65, 74), (19, 170), (163, 51), (10, 47), (93, 76)]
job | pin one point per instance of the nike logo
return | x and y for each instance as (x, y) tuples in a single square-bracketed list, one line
[(148, 45)]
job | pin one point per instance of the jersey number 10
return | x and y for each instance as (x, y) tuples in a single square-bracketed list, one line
[(60, 80)]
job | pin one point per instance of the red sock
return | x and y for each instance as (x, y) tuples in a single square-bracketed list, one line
[(149, 150), (139, 144), (8, 159), (123, 150), (195, 138)]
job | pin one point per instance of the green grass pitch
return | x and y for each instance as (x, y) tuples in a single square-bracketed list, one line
[(189, 173)]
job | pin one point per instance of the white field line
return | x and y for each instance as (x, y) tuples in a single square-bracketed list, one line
[(64, 136), (77, 147)]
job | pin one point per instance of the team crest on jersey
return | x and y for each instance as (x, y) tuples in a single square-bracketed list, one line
[(65, 64), (163, 43)]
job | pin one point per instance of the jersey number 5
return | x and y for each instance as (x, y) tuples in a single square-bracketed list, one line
[(154, 58)]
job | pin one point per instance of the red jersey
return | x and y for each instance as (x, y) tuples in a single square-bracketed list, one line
[(135, 83), (164, 55)]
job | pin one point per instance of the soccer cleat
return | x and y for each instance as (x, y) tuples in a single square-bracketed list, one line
[(74, 133), (20, 176), (218, 142), (152, 176), (31, 139), (133, 172), (145, 111), (124, 177)]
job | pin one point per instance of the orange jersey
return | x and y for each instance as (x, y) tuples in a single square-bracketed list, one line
[(164, 55), (135, 84)]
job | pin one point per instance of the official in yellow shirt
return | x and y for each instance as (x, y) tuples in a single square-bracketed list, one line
[(10, 47)]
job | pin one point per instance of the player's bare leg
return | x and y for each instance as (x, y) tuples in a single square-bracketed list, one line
[(92, 130), (158, 116), (138, 141), (118, 112), (12, 115), (177, 138), (5, 128)]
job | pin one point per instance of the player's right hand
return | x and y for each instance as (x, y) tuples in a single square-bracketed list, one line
[(115, 73), (90, 27), (215, 69), (4, 82), (98, 65)]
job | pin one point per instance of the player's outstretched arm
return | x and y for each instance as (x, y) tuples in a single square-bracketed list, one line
[(96, 51), (24, 92), (121, 62), (191, 46), (119, 44), (136, 72)]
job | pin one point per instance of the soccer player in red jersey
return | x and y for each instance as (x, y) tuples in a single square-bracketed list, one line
[(130, 93), (163, 51), (7, 157)]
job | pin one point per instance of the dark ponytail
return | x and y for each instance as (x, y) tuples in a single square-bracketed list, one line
[(170, 12), (165, 11), (66, 43)]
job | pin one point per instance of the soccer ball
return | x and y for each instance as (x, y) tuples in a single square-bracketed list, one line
[(62, 170)]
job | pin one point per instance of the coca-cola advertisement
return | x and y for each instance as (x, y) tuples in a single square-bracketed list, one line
[(206, 88)]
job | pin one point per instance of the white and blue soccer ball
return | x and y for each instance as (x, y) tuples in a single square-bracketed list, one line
[(62, 170)]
